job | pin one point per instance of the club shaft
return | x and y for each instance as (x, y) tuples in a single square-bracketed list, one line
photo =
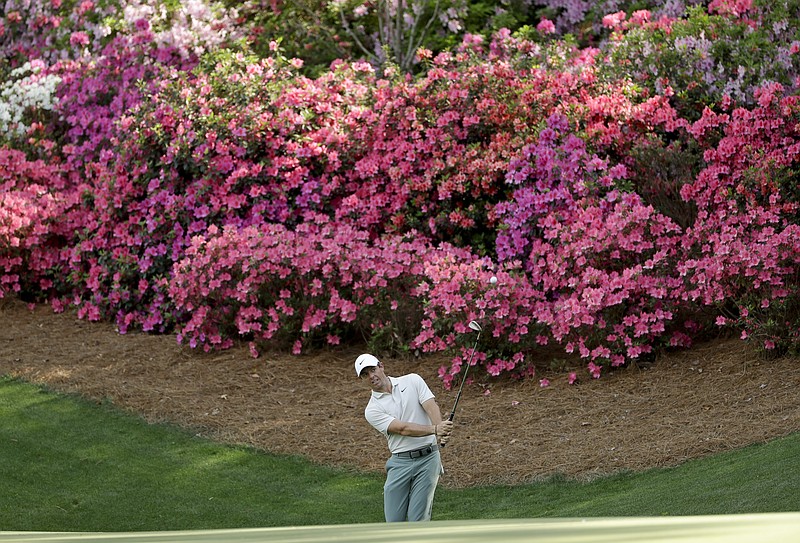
[(464, 379)]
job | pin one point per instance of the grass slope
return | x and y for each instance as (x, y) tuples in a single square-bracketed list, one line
[(72, 465)]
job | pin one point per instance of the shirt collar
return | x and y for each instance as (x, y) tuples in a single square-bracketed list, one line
[(394, 381)]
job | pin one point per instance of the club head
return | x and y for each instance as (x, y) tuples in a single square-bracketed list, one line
[(475, 326)]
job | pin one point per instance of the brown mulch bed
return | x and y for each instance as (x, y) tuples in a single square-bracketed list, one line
[(714, 397)]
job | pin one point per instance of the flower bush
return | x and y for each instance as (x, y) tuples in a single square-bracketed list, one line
[(27, 93), (35, 197), (159, 175), (314, 285), (727, 50), (458, 292), (57, 30), (744, 248)]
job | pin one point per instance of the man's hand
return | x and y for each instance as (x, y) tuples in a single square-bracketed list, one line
[(444, 429)]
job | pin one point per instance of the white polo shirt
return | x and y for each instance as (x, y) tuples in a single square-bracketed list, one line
[(404, 403)]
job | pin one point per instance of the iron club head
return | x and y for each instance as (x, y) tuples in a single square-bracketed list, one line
[(475, 326)]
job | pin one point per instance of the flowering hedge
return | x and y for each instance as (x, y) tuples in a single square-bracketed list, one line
[(201, 190), (29, 213), (313, 285), (57, 30)]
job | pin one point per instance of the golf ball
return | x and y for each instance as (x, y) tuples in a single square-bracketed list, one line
[(493, 280)]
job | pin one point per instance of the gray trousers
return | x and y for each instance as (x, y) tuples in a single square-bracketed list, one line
[(409, 488)]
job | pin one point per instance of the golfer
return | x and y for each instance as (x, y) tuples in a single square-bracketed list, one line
[(404, 410)]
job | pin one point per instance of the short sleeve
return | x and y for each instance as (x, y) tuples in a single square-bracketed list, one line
[(379, 419), (423, 391)]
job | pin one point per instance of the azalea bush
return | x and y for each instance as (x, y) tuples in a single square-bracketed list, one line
[(460, 291), (726, 50), (588, 21), (74, 134), (195, 154), (318, 284), (744, 247), (36, 196), (57, 30), (164, 176), (772, 325), (26, 98), (385, 33)]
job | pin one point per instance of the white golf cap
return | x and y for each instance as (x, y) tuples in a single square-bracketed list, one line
[(365, 361)]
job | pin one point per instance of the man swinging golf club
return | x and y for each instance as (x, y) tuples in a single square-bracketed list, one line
[(404, 410)]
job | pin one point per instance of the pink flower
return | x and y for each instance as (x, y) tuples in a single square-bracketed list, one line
[(253, 351), (423, 54), (546, 26), (734, 8), (86, 5), (470, 39), (79, 38), (573, 378), (544, 383), (487, 392), (614, 20), (640, 17), (769, 344), (721, 321)]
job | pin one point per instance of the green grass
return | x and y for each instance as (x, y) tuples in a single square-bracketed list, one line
[(70, 465)]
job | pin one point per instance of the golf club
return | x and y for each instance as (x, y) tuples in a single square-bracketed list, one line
[(477, 327)]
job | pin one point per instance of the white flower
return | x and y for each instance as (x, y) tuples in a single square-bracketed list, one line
[(26, 90)]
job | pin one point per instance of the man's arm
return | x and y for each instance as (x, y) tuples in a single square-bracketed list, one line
[(433, 411), (435, 414), (439, 428), (415, 430)]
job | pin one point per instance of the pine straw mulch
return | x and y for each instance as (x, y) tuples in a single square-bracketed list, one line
[(715, 397)]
